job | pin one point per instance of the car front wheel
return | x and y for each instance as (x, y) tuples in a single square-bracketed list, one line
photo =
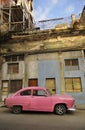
[(16, 109), (60, 109)]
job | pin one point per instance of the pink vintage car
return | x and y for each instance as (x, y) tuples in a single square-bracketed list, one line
[(39, 99)]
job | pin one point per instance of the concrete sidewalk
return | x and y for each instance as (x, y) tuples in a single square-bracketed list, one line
[(80, 107)]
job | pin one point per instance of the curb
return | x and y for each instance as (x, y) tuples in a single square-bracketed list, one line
[(80, 107), (2, 106)]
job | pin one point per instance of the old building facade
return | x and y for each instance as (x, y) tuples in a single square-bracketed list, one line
[(56, 63), (52, 58)]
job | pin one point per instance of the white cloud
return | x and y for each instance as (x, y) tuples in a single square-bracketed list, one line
[(40, 14), (69, 9), (54, 1)]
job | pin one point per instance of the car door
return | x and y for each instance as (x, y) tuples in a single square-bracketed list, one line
[(25, 99), (40, 101)]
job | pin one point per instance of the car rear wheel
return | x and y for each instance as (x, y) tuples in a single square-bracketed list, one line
[(60, 109), (16, 109)]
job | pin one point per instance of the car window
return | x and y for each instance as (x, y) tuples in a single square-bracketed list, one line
[(26, 93), (49, 92), (39, 93), (35, 92)]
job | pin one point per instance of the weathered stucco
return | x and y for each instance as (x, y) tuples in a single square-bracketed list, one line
[(30, 42)]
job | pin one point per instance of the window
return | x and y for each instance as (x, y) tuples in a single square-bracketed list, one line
[(21, 57), (15, 85), (35, 93), (71, 64), (42, 93), (33, 82), (15, 58), (5, 85), (39, 93), (13, 68), (73, 85), (8, 58), (26, 93)]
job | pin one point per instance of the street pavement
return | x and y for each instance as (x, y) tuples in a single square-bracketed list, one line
[(41, 120)]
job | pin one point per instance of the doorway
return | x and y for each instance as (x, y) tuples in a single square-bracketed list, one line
[(51, 85), (33, 82)]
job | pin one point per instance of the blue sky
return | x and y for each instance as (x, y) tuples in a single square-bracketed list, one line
[(49, 9)]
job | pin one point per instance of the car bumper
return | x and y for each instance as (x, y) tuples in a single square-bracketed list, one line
[(72, 109)]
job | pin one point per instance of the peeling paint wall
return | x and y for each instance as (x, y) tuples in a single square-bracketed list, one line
[(54, 43)]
